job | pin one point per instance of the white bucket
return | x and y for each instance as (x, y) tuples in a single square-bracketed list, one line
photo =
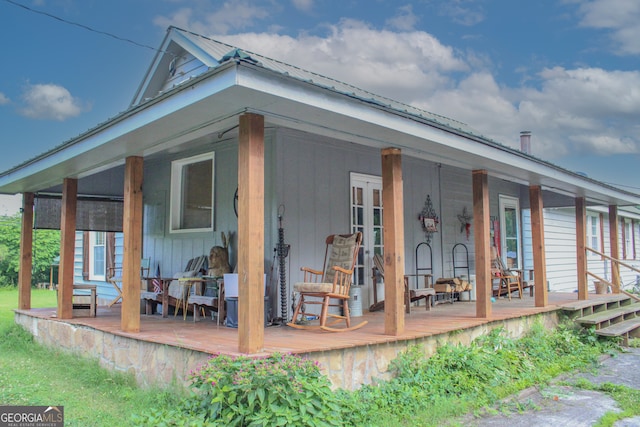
[(355, 301), (231, 285)]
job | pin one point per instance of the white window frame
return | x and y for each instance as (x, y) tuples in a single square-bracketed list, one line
[(593, 232), (503, 203), (176, 196), (628, 240), (94, 243)]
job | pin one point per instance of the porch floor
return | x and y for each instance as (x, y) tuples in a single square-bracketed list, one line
[(206, 336)]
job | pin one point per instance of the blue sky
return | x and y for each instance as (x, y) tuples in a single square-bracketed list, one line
[(567, 70)]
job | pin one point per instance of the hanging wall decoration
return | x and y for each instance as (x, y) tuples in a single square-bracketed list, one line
[(428, 219), (465, 222)]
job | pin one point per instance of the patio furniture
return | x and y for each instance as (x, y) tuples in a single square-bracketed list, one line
[(508, 281), (212, 302), (171, 293), (84, 304), (333, 282), (410, 295)]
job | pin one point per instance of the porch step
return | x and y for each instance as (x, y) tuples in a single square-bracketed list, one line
[(620, 328), (614, 315)]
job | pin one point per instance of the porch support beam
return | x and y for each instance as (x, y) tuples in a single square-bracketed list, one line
[(481, 235), (132, 251), (26, 253), (537, 239), (67, 247), (581, 245), (251, 233), (393, 225), (615, 248)]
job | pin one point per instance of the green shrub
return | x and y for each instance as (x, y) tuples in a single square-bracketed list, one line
[(278, 390)]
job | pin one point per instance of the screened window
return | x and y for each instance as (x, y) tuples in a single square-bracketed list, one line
[(192, 193)]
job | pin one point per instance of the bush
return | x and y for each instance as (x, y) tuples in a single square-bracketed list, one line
[(278, 390), (287, 390)]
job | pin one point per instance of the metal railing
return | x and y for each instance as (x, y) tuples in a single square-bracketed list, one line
[(617, 263)]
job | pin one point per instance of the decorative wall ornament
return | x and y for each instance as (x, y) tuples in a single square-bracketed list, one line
[(428, 219), (465, 222)]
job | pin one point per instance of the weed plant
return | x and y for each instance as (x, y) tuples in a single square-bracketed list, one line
[(286, 390)]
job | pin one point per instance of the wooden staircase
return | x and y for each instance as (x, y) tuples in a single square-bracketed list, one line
[(616, 315)]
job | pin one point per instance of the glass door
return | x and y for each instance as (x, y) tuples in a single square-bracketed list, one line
[(510, 230), (366, 217)]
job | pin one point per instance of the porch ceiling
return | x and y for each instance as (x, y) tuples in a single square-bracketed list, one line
[(195, 112)]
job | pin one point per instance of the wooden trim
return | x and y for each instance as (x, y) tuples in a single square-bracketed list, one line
[(26, 253), (633, 238), (614, 241), (482, 237), (393, 226), (251, 234), (67, 247), (132, 239), (537, 238), (581, 244), (623, 236)]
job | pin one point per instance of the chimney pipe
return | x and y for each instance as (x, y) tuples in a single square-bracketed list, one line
[(525, 141)]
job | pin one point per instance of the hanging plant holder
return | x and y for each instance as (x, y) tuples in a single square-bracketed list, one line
[(428, 220)]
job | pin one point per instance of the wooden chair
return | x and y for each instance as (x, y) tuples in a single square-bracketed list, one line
[(333, 282), (509, 281), (410, 295)]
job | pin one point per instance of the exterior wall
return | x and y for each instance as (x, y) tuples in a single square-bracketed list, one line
[(105, 291), (163, 365), (560, 245)]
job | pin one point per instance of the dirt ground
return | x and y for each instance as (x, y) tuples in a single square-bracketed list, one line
[(560, 405)]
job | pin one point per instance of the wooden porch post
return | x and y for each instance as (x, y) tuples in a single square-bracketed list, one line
[(482, 237), (615, 248), (251, 233), (393, 224), (537, 238), (26, 253), (581, 245), (67, 248), (132, 251)]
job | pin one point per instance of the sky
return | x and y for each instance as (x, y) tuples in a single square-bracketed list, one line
[(566, 70)]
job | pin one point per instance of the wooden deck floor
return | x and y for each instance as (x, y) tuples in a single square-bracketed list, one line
[(208, 337)]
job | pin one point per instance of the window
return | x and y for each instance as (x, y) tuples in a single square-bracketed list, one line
[(510, 231), (593, 233), (627, 239), (97, 255), (192, 193)]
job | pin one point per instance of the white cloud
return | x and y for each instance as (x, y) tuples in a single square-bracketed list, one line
[(403, 66), (463, 12), (4, 99), (303, 5), (50, 101), (232, 15), (620, 17), (404, 20)]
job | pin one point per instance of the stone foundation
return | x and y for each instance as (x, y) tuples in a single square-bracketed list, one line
[(163, 365)]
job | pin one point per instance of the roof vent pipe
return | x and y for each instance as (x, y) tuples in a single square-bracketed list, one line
[(525, 141)]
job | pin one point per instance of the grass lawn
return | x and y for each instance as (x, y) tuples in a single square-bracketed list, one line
[(31, 374)]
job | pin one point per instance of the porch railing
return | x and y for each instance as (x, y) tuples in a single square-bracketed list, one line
[(617, 263)]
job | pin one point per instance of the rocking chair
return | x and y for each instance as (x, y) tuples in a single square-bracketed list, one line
[(332, 283), (509, 281)]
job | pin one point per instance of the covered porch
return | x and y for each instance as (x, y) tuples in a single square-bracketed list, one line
[(168, 348)]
